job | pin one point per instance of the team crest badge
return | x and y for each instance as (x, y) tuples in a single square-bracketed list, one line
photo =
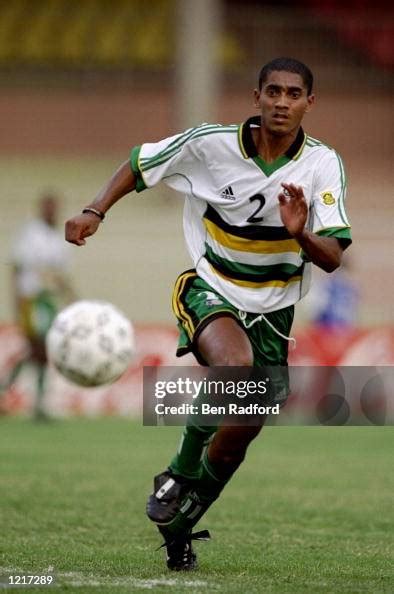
[(328, 198)]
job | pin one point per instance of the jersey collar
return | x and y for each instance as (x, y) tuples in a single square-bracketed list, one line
[(249, 149)]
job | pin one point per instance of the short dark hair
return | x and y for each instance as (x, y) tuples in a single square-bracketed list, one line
[(287, 65)]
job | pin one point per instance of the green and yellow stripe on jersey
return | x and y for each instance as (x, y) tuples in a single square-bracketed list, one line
[(258, 285), (252, 239), (249, 275)]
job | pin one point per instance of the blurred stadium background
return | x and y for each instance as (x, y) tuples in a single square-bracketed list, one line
[(83, 82)]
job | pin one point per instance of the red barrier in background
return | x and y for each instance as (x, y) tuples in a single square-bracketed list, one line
[(325, 346), (156, 346)]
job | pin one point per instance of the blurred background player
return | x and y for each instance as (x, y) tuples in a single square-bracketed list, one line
[(40, 287)]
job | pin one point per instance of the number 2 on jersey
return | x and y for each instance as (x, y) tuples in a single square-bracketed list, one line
[(253, 218)]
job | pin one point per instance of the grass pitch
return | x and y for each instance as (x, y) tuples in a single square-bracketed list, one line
[(309, 511)]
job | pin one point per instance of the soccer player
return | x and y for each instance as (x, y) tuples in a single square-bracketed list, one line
[(263, 200), (40, 285)]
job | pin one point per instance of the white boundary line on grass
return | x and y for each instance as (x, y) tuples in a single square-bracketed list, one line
[(79, 580)]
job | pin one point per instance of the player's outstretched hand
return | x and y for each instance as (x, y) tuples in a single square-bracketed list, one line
[(293, 208), (81, 226)]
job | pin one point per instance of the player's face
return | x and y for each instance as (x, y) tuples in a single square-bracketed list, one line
[(283, 101)]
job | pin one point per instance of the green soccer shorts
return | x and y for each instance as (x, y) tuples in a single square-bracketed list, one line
[(196, 304)]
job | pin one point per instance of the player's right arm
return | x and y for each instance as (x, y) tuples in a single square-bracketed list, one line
[(168, 160), (86, 224)]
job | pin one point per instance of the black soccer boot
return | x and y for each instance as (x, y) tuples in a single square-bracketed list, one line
[(180, 554), (168, 492)]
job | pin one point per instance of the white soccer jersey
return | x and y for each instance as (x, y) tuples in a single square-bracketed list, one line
[(40, 255), (232, 223)]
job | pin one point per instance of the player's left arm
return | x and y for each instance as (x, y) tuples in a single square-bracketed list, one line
[(325, 252)]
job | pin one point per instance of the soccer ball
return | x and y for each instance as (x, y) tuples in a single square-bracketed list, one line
[(91, 343)]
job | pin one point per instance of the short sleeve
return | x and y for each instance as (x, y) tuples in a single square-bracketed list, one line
[(152, 163), (329, 217)]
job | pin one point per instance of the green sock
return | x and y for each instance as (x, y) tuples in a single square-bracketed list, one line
[(196, 503), (187, 461)]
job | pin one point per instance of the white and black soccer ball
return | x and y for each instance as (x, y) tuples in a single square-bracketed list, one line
[(91, 343)]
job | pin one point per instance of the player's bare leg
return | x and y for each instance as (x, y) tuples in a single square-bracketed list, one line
[(222, 343)]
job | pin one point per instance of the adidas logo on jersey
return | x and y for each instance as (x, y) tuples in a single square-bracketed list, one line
[(228, 193)]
